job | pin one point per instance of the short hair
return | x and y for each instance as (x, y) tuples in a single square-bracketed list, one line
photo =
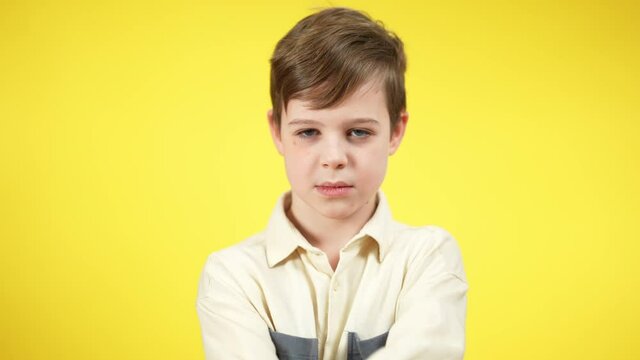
[(328, 55)]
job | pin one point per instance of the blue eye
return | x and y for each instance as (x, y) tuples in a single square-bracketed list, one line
[(307, 133), (360, 133)]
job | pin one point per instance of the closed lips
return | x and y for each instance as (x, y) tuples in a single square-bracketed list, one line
[(334, 184)]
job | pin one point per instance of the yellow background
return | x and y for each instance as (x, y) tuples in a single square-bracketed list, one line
[(134, 142)]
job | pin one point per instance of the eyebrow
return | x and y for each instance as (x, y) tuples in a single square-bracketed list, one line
[(319, 123)]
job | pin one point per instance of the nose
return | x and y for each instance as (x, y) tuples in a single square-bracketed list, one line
[(334, 156)]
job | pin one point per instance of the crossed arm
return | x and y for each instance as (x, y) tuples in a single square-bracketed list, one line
[(231, 326), (429, 326), (430, 316)]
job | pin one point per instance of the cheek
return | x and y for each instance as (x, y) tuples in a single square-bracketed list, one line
[(298, 164), (373, 163)]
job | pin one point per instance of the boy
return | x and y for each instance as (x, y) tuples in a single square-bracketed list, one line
[(333, 276)]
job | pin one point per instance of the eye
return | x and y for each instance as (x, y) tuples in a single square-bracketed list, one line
[(360, 133), (307, 133)]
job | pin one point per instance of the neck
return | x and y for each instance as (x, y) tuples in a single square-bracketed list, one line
[(328, 234)]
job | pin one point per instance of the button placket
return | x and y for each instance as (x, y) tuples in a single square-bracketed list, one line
[(320, 262)]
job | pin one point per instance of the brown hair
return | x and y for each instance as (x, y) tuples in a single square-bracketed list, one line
[(328, 55)]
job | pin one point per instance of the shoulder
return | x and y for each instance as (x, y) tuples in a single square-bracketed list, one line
[(424, 239), (250, 249), (234, 264), (429, 245)]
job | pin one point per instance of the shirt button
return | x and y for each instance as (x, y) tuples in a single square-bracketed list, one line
[(335, 286)]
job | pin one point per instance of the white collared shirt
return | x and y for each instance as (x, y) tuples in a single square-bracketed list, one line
[(398, 292)]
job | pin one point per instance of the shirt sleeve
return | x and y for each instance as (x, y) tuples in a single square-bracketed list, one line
[(231, 326), (431, 309)]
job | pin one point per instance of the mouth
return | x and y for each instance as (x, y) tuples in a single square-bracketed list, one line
[(334, 189), (334, 184)]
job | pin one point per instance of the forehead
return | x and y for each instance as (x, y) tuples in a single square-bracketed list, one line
[(368, 101)]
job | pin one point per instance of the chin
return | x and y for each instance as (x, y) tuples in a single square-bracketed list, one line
[(336, 211)]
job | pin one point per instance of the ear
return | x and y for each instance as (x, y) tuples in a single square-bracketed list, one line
[(397, 133), (275, 132)]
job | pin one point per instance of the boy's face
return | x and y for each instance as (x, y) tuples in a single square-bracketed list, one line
[(336, 158)]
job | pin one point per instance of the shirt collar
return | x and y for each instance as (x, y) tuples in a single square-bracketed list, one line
[(282, 237)]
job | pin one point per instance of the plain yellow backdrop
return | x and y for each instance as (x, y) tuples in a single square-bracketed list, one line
[(134, 142)]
